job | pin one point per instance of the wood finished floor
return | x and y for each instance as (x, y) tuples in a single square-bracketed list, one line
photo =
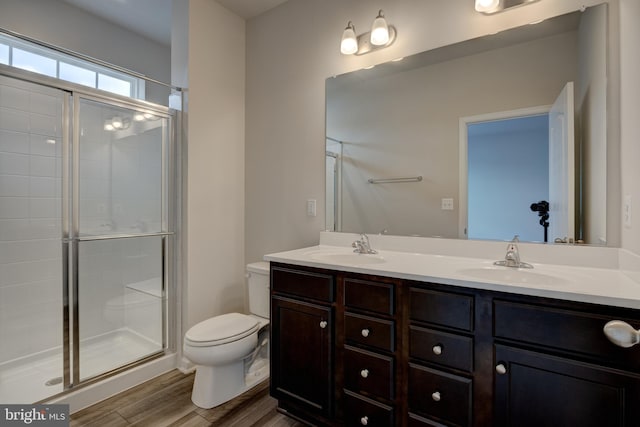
[(166, 401)]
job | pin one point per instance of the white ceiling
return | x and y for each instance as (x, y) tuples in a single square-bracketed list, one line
[(152, 18)]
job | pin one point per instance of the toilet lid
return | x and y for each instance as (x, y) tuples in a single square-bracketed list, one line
[(221, 329)]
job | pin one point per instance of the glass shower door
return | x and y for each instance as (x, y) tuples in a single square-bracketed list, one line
[(31, 260), (120, 229)]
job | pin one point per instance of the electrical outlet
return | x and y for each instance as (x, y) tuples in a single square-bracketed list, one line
[(311, 207), (447, 204), (626, 211)]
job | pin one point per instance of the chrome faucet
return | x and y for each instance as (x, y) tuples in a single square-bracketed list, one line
[(512, 257), (362, 246)]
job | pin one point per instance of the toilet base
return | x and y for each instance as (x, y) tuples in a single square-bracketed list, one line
[(214, 386)]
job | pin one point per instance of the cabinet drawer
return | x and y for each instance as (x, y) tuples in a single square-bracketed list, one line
[(442, 308), (453, 351), (440, 395), (360, 411), (564, 330), (307, 284), (369, 331), (367, 295), (369, 373)]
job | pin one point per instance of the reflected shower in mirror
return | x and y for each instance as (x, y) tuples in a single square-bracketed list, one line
[(485, 126)]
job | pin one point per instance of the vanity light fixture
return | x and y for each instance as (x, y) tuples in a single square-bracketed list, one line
[(349, 44), (379, 30), (116, 123), (489, 7), (380, 36)]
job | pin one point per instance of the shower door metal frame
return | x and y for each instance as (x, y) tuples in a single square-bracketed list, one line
[(70, 239), (76, 239)]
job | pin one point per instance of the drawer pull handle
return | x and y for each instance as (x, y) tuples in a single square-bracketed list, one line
[(364, 420), (323, 324), (436, 396), (364, 373), (437, 350), (501, 369), (365, 332), (621, 333)]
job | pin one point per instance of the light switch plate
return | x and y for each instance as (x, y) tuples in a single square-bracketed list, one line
[(626, 211), (311, 207), (447, 204)]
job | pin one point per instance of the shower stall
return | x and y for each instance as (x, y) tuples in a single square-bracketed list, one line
[(86, 234)]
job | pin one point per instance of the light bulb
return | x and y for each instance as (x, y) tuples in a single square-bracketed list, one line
[(487, 5), (379, 31), (349, 43), (117, 122), (138, 117), (108, 126)]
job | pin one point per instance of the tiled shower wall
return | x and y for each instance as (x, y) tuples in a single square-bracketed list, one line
[(30, 219)]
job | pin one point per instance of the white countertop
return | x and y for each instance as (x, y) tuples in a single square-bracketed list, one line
[(599, 285)]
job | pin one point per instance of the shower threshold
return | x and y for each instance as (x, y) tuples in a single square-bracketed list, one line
[(36, 377)]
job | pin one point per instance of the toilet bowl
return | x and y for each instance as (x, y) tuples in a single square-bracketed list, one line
[(229, 350)]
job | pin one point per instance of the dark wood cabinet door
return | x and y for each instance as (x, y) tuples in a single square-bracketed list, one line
[(302, 354), (535, 389)]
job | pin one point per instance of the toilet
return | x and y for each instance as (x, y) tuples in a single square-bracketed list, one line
[(230, 351)]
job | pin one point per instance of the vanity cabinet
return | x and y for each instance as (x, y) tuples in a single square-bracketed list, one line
[(303, 342), (406, 353), (555, 366)]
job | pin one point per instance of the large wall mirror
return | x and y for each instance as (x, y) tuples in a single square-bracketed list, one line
[(486, 139)]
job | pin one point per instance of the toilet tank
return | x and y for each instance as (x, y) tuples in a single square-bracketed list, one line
[(258, 283)]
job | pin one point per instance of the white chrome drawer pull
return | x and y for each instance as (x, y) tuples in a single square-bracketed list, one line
[(364, 420), (364, 373), (436, 396), (365, 332), (323, 324), (437, 350), (501, 369)]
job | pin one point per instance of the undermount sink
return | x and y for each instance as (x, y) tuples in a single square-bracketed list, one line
[(512, 275), (349, 258)]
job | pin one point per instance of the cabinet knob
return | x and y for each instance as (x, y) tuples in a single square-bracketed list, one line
[(436, 396), (501, 369), (621, 333), (323, 324), (437, 350), (364, 420), (365, 332), (364, 373)]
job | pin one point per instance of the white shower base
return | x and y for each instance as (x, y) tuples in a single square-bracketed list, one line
[(24, 380)]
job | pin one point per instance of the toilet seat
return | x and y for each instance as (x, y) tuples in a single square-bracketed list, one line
[(221, 329)]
